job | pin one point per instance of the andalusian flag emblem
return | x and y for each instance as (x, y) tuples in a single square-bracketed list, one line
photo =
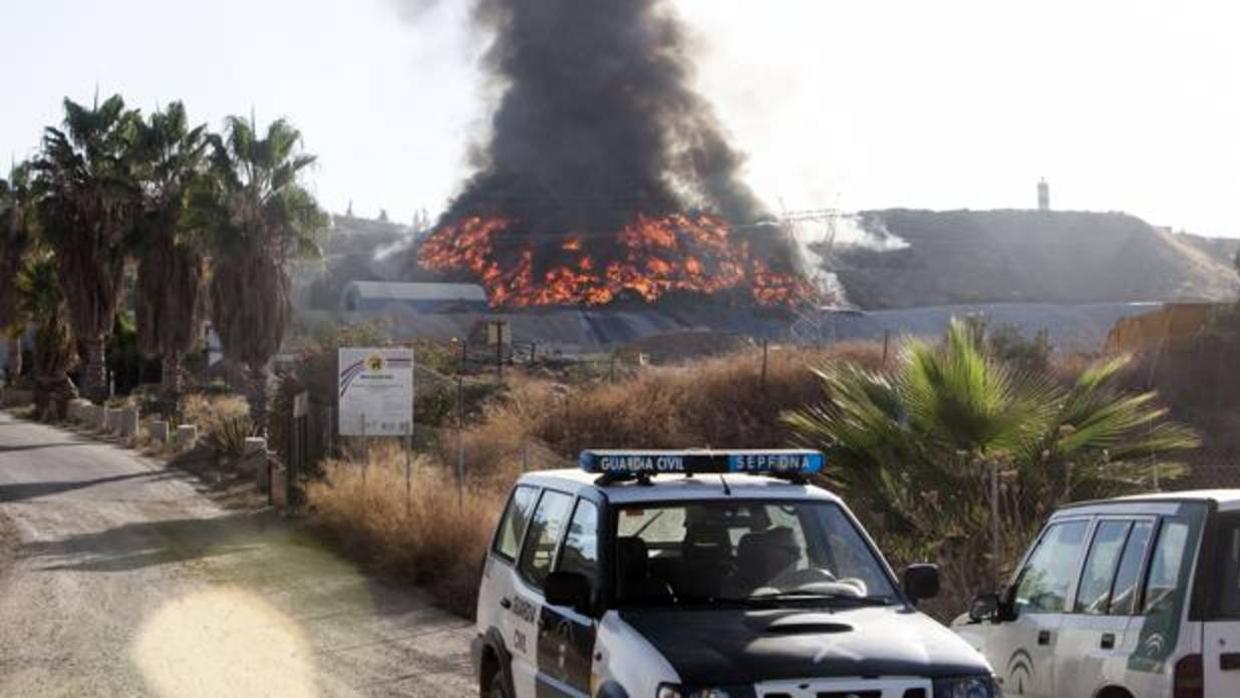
[(375, 363)]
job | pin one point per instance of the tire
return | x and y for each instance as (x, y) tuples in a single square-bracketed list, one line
[(499, 688)]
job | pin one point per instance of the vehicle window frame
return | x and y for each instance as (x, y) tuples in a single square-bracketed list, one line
[(494, 550), (1189, 557), (559, 541), (884, 566), (1090, 521), (1139, 600), (598, 542), (1212, 584)]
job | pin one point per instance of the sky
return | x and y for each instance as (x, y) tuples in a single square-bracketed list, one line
[(1122, 105)]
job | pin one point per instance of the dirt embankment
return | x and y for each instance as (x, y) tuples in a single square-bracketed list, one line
[(956, 257)]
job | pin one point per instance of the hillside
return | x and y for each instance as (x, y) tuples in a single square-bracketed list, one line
[(1027, 256)]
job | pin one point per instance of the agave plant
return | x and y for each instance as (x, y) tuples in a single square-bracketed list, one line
[(88, 202), (923, 448), (260, 217), (171, 254)]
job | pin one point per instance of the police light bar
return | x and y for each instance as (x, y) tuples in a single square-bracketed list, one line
[(634, 463)]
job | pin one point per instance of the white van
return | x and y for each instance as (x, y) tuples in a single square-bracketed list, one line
[(1124, 598)]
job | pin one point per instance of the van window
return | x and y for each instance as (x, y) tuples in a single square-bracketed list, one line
[(1164, 573), (1228, 562), (1047, 576), (538, 555), (580, 552), (1094, 593), (1124, 591), (512, 526)]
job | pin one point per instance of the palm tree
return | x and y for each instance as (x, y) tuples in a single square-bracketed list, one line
[(171, 261), (922, 449), (260, 217), (88, 203), (16, 235), (41, 299)]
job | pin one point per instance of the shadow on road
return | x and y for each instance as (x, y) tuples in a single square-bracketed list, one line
[(35, 447), (136, 545), (30, 490)]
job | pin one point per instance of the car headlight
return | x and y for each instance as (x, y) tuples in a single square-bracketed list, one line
[(669, 690), (966, 687)]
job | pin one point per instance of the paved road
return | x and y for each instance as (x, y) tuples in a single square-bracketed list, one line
[(126, 581)]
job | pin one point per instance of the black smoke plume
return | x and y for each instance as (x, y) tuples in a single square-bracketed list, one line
[(597, 121)]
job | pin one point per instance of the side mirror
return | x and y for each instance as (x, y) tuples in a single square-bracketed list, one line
[(921, 581), (571, 589), (984, 607)]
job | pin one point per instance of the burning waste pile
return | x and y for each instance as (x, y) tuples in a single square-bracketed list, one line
[(604, 175)]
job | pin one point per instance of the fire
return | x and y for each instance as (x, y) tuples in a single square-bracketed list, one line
[(649, 257)]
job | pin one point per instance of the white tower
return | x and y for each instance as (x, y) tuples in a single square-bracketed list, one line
[(1044, 195)]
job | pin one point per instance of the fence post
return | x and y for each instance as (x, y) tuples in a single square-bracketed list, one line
[(409, 469), (994, 520), (499, 350), (365, 449), (460, 442), (886, 344)]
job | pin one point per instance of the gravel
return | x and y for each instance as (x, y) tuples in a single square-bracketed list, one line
[(128, 581)]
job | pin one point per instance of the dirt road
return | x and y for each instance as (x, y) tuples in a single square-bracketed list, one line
[(125, 581)]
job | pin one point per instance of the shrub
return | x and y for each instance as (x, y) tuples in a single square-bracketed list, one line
[(431, 538), (915, 449)]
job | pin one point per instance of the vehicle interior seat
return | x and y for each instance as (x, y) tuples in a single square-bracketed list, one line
[(761, 556), (706, 561), (633, 580)]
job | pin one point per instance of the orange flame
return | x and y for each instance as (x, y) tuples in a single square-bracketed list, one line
[(649, 257)]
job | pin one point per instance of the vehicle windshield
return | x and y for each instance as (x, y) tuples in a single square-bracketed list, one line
[(687, 553)]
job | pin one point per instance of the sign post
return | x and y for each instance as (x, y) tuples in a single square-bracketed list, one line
[(375, 391)]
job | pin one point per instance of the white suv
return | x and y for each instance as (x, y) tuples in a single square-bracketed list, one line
[(676, 574), (1123, 598)]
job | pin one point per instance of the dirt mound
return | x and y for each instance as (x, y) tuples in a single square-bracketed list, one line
[(1026, 256)]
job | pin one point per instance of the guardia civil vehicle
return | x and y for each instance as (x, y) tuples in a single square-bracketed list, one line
[(1133, 597), (677, 574)]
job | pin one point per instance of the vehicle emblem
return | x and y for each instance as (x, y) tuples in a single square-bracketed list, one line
[(1020, 670)]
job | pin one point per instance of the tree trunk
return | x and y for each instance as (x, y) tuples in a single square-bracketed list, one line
[(95, 372), (171, 382), (256, 396), (15, 358)]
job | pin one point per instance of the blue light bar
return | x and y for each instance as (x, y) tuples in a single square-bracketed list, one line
[(774, 462)]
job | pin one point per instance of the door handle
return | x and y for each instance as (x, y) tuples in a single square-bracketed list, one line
[(1108, 641), (505, 602), (1044, 637)]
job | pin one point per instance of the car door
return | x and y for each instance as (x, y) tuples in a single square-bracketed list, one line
[(1221, 641), (1022, 651), (566, 635), (495, 593), (1094, 642), (538, 552)]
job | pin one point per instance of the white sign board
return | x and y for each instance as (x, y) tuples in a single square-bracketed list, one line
[(375, 391)]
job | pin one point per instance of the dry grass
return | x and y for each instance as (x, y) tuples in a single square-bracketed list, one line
[(431, 540), (209, 411), (722, 402)]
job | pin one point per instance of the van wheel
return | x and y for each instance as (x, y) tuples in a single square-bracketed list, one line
[(498, 689)]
